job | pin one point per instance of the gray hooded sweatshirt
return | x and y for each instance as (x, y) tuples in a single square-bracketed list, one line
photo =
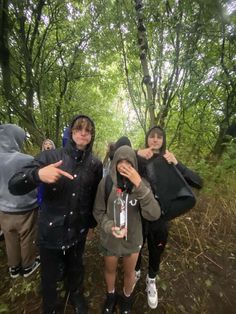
[(11, 160), (140, 201)]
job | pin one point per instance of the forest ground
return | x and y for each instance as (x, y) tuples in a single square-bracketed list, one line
[(198, 271)]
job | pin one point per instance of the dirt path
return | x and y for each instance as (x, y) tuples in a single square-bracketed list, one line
[(198, 275)]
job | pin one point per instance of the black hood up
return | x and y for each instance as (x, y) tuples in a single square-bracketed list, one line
[(124, 140), (69, 132), (163, 148)]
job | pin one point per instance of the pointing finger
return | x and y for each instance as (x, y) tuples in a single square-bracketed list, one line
[(65, 174), (57, 164)]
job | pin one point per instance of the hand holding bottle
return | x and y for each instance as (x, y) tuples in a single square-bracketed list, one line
[(119, 233)]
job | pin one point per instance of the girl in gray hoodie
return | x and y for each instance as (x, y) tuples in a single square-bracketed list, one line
[(125, 243)]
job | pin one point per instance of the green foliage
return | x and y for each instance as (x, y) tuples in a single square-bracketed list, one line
[(71, 57), (4, 308)]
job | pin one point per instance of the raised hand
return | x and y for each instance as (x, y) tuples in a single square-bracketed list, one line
[(170, 158), (146, 153), (52, 173), (129, 172)]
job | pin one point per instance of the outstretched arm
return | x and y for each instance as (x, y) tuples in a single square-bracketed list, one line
[(30, 176), (51, 173)]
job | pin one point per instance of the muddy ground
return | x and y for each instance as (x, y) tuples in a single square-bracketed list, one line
[(198, 271)]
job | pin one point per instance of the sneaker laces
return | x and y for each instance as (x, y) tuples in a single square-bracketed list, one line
[(152, 291)]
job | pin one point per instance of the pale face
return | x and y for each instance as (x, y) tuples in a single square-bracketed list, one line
[(47, 145), (155, 141), (82, 137)]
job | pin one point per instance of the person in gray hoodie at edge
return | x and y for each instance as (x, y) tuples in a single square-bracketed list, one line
[(18, 214), (127, 243)]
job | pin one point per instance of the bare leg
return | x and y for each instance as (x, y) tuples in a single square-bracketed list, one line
[(129, 263), (110, 271)]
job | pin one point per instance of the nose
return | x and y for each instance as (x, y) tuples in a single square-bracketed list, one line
[(83, 131)]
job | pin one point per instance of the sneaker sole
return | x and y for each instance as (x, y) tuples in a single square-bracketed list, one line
[(14, 276), (152, 305), (31, 272)]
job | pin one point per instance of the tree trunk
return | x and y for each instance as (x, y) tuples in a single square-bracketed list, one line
[(25, 114), (143, 48)]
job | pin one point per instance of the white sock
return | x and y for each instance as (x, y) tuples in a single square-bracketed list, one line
[(127, 295)]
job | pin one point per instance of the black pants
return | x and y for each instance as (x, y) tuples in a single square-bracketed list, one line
[(156, 234), (53, 263)]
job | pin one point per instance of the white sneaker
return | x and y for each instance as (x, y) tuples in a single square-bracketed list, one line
[(137, 275), (152, 294)]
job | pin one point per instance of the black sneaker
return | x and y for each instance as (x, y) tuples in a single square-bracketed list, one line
[(79, 303), (110, 303), (125, 304), (27, 271), (59, 309), (15, 271)]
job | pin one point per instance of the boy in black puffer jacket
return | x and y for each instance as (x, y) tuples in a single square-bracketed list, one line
[(70, 176)]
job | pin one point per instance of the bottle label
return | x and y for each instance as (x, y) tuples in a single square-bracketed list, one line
[(122, 218), (119, 211)]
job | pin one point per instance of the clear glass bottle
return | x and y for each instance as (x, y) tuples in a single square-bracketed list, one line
[(119, 210)]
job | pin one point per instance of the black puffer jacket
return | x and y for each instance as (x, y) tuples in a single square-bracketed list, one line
[(66, 209)]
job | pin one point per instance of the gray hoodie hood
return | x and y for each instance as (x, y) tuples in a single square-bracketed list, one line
[(124, 152), (11, 140)]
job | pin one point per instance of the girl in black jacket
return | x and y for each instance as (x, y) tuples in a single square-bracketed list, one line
[(170, 182)]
